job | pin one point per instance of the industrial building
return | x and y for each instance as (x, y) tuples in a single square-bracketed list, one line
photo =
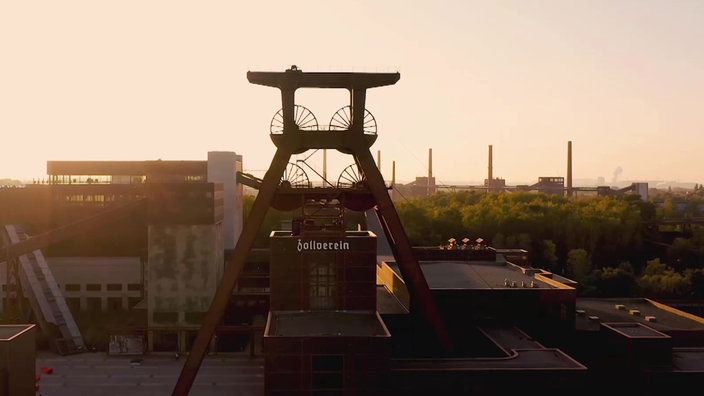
[(126, 235), (425, 186), (333, 309)]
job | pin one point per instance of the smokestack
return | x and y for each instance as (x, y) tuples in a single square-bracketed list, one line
[(325, 166), (491, 175), (569, 168), (393, 173), (430, 164), (393, 180), (430, 169)]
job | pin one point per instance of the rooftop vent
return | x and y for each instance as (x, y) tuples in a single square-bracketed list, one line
[(620, 307), (580, 312), (594, 318), (651, 319), (634, 312)]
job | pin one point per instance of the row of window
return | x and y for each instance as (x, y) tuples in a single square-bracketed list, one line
[(96, 179), (96, 304), (96, 198), (172, 317), (74, 287)]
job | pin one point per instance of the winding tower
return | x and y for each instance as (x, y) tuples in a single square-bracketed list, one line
[(360, 187)]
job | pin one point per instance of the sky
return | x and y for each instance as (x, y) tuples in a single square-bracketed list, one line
[(623, 80)]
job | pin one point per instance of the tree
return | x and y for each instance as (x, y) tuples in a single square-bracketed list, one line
[(696, 280), (661, 280), (549, 255), (681, 254), (498, 241), (655, 267), (578, 263), (615, 282)]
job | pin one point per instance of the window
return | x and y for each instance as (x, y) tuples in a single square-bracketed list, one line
[(114, 286), (93, 287), (132, 301), (73, 287), (74, 304), (165, 317), (327, 362), (114, 304), (327, 372), (94, 304), (165, 341), (134, 287), (194, 317), (323, 288)]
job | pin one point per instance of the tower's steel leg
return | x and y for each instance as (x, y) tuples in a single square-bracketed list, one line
[(401, 246), (232, 272)]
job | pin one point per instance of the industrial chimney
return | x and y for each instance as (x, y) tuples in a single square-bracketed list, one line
[(393, 180), (569, 168), (325, 165), (393, 173), (491, 175), (430, 170), (430, 163)]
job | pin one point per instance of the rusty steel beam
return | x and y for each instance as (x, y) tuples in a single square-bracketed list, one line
[(295, 78), (418, 288)]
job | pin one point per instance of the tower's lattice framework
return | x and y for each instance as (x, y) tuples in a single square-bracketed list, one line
[(294, 130)]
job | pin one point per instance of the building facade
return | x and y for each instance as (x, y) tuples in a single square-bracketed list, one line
[(166, 257)]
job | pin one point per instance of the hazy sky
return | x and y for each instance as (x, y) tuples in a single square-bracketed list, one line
[(142, 80)]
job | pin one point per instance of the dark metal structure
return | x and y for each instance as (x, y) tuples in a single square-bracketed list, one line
[(294, 130)]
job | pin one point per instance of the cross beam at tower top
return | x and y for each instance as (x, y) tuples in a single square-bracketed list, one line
[(295, 78)]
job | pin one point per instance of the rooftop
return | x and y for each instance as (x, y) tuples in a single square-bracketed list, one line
[(325, 324), (477, 275), (636, 310)]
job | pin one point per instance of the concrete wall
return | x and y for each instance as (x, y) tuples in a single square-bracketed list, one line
[(106, 274), (222, 168), (184, 268)]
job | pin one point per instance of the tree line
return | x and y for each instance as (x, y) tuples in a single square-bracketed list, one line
[(612, 245)]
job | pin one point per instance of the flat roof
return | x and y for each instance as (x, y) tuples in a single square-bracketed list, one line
[(636, 330), (127, 168), (8, 332), (325, 324), (662, 318), (521, 353), (475, 275)]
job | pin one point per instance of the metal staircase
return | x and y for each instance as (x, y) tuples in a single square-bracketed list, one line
[(46, 299)]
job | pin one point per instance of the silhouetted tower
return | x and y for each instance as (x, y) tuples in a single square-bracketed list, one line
[(569, 168), (393, 173), (430, 172), (360, 187), (491, 166)]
